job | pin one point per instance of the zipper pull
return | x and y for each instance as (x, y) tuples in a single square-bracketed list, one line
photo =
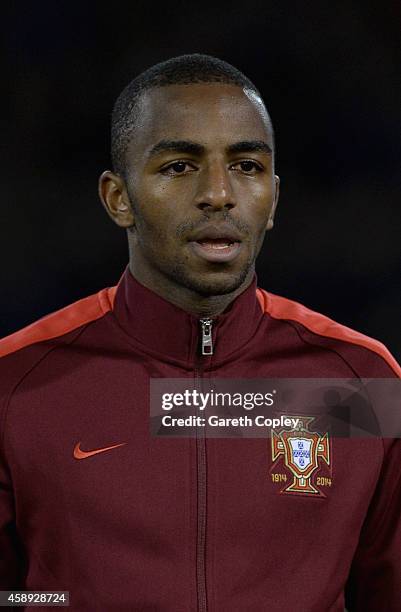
[(207, 341)]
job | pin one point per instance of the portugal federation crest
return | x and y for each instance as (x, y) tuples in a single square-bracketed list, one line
[(303, 452)]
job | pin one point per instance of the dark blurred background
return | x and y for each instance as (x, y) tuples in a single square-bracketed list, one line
[(330, 76)]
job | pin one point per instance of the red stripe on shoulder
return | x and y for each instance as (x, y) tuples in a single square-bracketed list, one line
[(281, 308), (60, 322)]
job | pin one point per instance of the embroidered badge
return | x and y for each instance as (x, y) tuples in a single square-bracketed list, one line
[(303, 453)]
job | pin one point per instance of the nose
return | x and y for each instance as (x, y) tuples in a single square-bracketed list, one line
[(214, 188)]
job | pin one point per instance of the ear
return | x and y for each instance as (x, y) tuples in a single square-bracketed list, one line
[(114, 197), (270, 221)]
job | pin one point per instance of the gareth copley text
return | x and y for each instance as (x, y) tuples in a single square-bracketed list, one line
[(230, 422), (193, 398)]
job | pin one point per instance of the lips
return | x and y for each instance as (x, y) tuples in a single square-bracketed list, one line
[(216, 243), (213, 233)]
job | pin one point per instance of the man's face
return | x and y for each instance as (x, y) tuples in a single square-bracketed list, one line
[(199, 176)]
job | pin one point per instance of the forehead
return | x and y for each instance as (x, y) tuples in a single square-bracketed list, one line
[(212, 114)]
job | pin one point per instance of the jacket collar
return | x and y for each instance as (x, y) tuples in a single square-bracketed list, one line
[(162, 328)]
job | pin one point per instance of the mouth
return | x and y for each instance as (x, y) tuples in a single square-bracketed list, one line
[(215, 244)]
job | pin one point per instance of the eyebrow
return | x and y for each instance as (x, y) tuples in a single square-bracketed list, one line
[(194, 148), (249, 146), (180, 146)]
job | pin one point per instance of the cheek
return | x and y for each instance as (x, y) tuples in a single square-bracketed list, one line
[(162, 210), (255, 199), (255, 212), (156, 228), (162, 204)]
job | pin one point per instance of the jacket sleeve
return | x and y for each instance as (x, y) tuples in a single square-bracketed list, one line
[(375, 579), (13, 558), (11, 554)]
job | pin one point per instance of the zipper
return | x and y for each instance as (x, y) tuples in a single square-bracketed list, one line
[(207, 341), (206, 345)]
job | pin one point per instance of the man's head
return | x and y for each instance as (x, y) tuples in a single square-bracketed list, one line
[(193, 180)]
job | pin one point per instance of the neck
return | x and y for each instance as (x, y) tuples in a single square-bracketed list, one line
[(202, 306)]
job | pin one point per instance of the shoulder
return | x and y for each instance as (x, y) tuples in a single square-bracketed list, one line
[(367, 357), (60, 322), (22, 350)]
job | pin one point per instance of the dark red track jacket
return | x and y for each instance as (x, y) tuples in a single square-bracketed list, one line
[(180, 524)]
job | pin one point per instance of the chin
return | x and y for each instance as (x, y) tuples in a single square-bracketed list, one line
[(214, 283)]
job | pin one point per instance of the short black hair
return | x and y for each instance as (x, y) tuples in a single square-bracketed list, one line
[(181, 70)]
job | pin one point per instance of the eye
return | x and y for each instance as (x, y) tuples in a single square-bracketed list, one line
[(248, 166), (178, 167)]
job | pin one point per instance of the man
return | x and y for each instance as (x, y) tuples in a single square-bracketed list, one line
[(89, 501)]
